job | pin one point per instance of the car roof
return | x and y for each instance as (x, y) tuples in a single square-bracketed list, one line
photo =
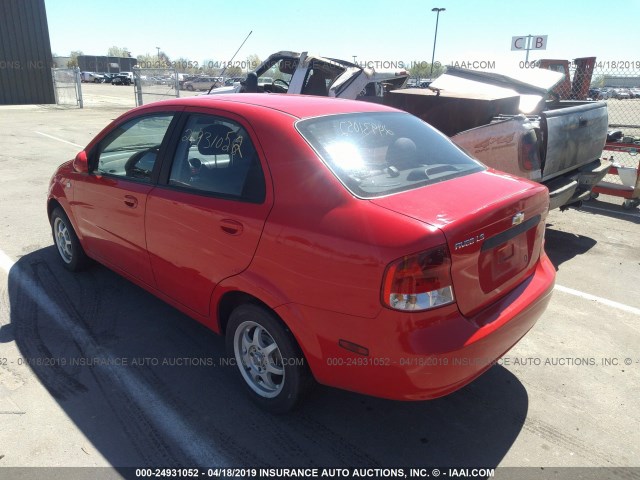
[(300, 106)]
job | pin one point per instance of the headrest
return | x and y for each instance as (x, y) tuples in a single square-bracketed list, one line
[(402, 153), (288, 65)]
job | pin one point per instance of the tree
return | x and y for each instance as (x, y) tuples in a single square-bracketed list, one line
[(184, 65), (118, 52), (154, 61), (422, 69), (252, 62), (73, 60), (147, 60), (234, 71), (598, 81)]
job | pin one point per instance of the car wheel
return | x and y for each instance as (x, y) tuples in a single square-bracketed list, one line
[(67, 243), (190, 88), (269, 360)]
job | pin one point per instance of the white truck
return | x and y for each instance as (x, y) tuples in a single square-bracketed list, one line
[(307, 74), (509, 122)]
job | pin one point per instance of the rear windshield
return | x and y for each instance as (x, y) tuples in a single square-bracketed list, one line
[(376, 154)]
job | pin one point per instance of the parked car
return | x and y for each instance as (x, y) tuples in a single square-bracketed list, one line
[(202, 83), (232, 81), (635, 92), (91, 77), (182, 78), (406, 272), (121, 79), (621, 93), (606, 93), (108, 77)]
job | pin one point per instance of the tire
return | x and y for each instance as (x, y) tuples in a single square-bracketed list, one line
[(190, 88), (66, 241), (257, 342)]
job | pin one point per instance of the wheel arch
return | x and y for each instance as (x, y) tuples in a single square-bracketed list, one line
[(53, 203), (233, 299)]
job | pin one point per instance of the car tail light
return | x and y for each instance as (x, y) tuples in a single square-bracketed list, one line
[(528, 155), (420, 281)]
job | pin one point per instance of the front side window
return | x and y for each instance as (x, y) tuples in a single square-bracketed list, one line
[(131, 149), (216, 156), (276, 75), (376, 154)]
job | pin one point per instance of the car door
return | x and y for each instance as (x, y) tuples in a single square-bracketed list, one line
[(109, 203), (205, 218)]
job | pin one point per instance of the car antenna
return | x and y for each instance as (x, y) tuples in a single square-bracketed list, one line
[(234, 56)]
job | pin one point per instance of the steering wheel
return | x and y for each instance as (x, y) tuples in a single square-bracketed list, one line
[(286, 84), (132, 170)]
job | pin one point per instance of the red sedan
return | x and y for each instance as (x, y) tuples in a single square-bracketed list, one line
[(327, 239)]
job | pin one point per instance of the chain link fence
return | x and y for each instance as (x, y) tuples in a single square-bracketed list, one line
[(617, 84), (154, 84), (67, 86)]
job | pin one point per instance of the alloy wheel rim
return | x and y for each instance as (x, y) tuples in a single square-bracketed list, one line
[(63, 240), (259, 359)]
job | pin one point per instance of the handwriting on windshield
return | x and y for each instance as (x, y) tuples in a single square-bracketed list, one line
[(365, 129)]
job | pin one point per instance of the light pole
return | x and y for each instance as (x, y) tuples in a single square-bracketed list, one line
[(158, 48), (435, 37)]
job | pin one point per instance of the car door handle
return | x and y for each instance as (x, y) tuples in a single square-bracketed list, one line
[(232, 227), (130, 201)]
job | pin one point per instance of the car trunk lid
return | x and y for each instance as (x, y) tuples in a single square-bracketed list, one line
[(494, 233)]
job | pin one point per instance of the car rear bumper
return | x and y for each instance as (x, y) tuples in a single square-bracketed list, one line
[(417, 356), (577, 185)]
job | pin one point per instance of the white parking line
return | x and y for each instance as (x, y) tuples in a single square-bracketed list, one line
[(5, 262), (169, 421), (59, 139), (604, 301)]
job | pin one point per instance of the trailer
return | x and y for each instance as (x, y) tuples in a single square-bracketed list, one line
[(623, 179)]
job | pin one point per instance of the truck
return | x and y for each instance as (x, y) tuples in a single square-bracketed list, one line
[(512, 122), (307, 74), (515, 123)]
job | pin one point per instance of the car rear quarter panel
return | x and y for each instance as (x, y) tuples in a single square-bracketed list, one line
[(322, 246)]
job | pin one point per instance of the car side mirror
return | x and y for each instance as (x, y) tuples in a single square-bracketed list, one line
[(80, 163)]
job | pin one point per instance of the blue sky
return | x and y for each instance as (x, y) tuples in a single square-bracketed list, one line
[(372, 30)]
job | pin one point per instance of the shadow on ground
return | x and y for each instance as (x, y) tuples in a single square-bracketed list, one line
[(194, 411), (563, 246)]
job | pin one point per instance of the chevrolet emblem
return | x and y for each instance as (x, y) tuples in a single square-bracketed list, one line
[(518, 218)]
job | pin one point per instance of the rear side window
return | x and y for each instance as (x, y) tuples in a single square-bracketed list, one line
[(216, 156), (376, 154)]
